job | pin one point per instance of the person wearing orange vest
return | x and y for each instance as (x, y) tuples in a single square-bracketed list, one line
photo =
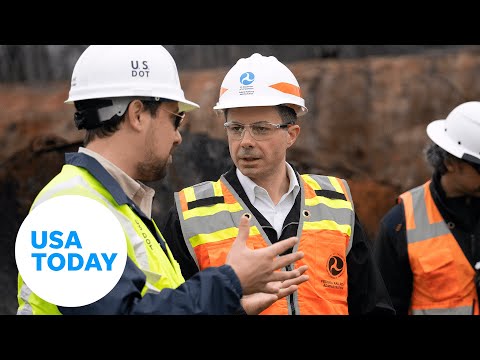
[(428, 245), (132, 129), (260, 99)]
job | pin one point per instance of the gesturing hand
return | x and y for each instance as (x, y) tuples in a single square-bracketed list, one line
[(256, 269), (254, 304)]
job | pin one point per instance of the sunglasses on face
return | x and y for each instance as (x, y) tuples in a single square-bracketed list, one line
[(178, 118)]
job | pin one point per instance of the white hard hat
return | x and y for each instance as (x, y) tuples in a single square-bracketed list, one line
[(119, 71), (459, 133), (260, 81)]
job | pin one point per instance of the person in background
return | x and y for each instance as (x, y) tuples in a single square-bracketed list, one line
[(130, 102), (260, 100), (428, 245)]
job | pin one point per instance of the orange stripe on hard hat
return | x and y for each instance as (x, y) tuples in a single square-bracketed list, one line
[(222, 90), (287, 88)]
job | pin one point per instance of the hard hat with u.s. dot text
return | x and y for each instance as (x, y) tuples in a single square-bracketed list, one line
[(459, 133), (115, 71), (260, 81)]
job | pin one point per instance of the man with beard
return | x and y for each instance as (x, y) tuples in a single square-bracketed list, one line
[(131, 110), (260, 100), (428, 247)]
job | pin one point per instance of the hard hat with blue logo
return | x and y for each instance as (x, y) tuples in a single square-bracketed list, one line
[(260, 81), (459, 133)]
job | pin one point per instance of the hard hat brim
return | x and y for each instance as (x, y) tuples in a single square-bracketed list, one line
[(299, 109), (183, 104), (436, 132)]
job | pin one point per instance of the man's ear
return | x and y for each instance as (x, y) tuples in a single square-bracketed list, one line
[(452, 165), (293, 132), (134, 115)]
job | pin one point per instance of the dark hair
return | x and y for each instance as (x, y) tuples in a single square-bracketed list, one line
[(109, 127), (287, 114), (437, 158)]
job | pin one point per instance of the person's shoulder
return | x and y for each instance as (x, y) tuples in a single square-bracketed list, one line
[(394, 217), (196, 186), (324, 176)]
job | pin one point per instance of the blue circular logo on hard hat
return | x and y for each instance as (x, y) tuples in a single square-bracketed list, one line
[(247, 78)]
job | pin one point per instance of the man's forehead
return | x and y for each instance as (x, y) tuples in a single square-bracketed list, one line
[(253, 114)]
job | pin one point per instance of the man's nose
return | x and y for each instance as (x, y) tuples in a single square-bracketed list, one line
[(178, 137), (247, 137)]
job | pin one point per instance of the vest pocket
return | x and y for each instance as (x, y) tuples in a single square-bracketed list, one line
[(325, 255), (216, 253), (437, 276)]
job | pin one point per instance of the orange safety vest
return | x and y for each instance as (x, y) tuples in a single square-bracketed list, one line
[(209, 215), (443, 279)]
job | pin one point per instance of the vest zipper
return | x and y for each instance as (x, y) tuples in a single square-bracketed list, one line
[(290, 297), (289, 268)]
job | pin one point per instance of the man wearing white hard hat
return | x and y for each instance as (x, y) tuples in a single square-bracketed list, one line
[(129, 100), (428, 247), (260, 100)]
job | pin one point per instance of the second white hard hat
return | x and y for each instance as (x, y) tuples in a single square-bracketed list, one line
[(459, 133), (260, 81), (116, 71)]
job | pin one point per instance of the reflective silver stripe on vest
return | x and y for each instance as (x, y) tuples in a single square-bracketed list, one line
[(204, 190), (462, 310), (323, 181), (25, 293), (216, 222), (182, 225), (423, 229), (323, 212)]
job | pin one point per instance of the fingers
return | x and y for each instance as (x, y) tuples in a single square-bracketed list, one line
[(285, 275), (272, 287), (243, 229), (281, 246), (287, 291), (255, 303), (297, 280), (302, 269), (290, 286), (287, 259)]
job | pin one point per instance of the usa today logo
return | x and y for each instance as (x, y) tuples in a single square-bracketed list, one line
[(71, 250)]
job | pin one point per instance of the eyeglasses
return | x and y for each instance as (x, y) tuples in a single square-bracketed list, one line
[(260, 130), (178, 118)]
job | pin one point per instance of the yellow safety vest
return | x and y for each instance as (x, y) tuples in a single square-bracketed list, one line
[(161, 269)]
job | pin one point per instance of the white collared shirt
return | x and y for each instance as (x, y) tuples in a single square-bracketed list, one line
[(258, 196)]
